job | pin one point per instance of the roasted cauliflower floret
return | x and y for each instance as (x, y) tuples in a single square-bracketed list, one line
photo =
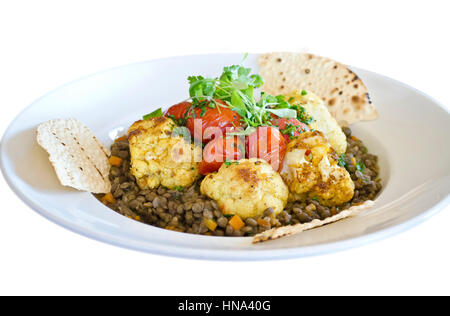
[(311, 170), (246, 188), (160, 158), (322, 119)]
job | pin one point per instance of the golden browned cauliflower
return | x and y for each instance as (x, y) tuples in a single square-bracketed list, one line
[(310, 169), (322, 119), (246, 188), (158, 158)]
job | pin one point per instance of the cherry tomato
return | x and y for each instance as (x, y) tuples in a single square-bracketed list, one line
[(178, 111), (219, 150), (273, 116), (212, 121), (289, 127), (267, 143)]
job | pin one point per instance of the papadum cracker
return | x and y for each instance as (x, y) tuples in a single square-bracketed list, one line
[(279, 232), (343, 92), (79, 159)]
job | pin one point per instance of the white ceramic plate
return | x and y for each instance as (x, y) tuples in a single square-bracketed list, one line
[(411, 138)]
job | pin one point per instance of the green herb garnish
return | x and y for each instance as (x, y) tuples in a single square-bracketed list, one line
[(302, 116), (248, 131), (341, 161), (179, 188), (230, 162), (181, 121), (291, 129), (156, 113), (235, 88), (360, 166), (304, 92), (181, 131)]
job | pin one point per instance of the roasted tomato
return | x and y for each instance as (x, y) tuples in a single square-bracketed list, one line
[(213, 120), (178, 111), (219, 150), (290, 127), (267, 143)]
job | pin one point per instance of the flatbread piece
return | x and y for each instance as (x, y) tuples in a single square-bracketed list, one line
[(279, 232), (343, 92), (79, 159)]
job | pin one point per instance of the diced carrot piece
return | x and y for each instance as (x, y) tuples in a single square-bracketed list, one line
[(123, 138), (108, 198), (353, 161), (262, 222), (115, 161), (138, 218), (210, 224), (236, 222), (355, 138), (333, 211), (170, 227)]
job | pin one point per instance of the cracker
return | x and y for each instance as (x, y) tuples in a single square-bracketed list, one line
[(79, 159), (343, 92), (279, 232)]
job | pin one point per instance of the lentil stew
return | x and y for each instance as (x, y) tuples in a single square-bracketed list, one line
[(187, 210)]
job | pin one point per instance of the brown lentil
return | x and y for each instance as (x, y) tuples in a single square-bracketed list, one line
[(222, 221), (251, 222)]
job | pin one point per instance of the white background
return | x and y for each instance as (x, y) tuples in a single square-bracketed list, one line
[(47, 43)]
